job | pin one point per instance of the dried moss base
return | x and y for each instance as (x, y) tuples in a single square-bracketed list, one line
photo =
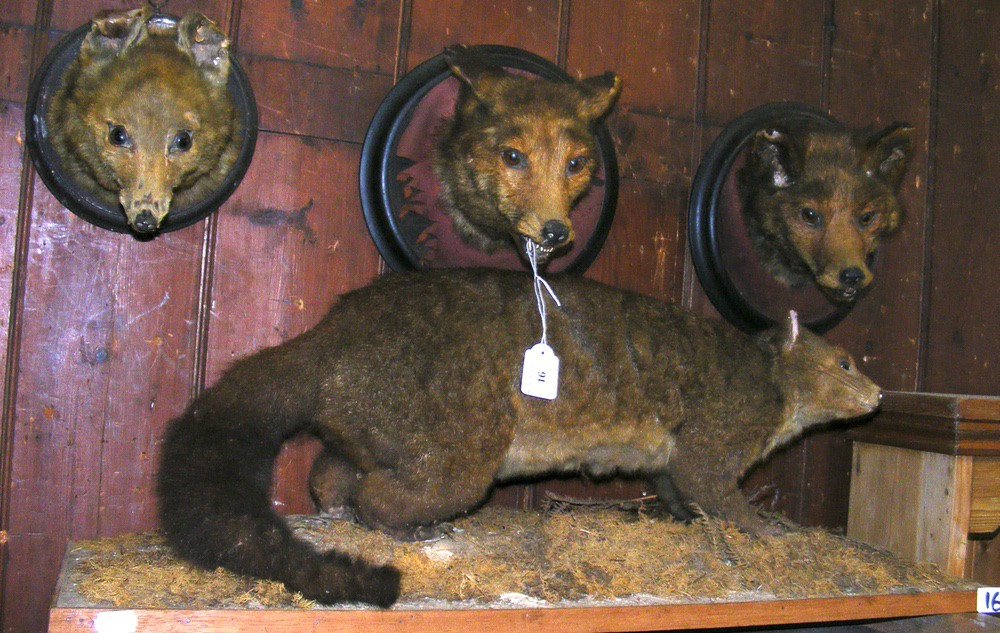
[(501, 557)]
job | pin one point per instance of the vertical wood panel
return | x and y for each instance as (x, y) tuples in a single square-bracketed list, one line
[(105, 362), (763, 51), (529, 24), (652, 45), (654, 48), (963, 329), (881, 73)]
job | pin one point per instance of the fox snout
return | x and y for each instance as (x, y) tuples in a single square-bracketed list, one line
[(549, 237), (145, 213)]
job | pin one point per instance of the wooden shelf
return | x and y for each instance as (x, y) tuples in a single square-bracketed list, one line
[(681, 617)]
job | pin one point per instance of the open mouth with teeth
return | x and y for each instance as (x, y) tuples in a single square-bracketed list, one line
[(541, 253), (842, 294)]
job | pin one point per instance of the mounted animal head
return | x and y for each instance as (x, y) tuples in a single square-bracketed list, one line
[(818, 199), (145, 110), (519, 153)]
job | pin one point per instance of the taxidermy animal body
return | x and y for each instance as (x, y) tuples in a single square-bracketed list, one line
[(143, 117), (518, 154), (818, 199), (413, 385)]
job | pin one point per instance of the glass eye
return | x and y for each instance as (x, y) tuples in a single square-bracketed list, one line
[(576, 165), (182, 142), (118, 136), (845, 365), (810, 217), (513, 158), (867, 219)]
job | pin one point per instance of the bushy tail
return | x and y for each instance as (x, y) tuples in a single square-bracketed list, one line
[(214, 491)]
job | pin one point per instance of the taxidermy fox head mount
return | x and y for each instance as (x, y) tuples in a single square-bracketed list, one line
[(519, 153), (818, 199), (144, 117)]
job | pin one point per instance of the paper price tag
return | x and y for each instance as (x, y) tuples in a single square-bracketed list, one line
[(988, 599), (540, 374)]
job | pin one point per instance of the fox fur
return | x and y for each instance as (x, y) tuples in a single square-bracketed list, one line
[(817, 200), (412, 384), (518, 154), (144, 118)]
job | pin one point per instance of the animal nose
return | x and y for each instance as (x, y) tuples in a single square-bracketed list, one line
[(144, 223), (554, 233), (852, 276)]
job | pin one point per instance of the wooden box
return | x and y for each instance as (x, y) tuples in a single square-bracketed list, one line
[(926, 481)]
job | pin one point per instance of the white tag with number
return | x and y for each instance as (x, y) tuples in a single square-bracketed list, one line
[(540, 374), (988, 600)]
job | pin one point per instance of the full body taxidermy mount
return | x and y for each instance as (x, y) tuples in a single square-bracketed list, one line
[(818, 198), (144, 118), (413, 384), (519, 153)]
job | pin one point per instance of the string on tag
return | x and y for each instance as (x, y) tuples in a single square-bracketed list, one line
[(539, 283)]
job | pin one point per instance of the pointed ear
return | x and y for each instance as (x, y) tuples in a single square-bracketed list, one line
[(777, 156), (887, 153), (791, 332), (113, 32), (600, 93), (200, 38), (479, 78)]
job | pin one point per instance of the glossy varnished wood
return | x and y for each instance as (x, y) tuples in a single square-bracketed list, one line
[(681, 617)]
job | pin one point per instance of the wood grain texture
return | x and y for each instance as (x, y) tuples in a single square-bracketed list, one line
[(914, 503), (881, 61), (106, 361), (652, 45), (984, 515), (326, 33), (673, 617), (529, 24), (316, 101), (963, 329), (761, 52)]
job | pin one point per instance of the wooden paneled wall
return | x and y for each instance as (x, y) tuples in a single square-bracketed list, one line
[(106, 338)]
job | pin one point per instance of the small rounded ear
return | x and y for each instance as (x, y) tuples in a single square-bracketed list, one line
[(479, 78), (887, 152), (200, 38), (791, 331), (600, 93), (112, 32), (776, 156)]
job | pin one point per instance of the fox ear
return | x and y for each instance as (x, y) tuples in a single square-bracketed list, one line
[(777, 156), (791, 331), (888, 152), (601, 92), (200, 38), (113, 32), (781, 338), (478, 77)]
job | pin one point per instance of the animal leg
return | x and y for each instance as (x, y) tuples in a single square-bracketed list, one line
[(672, 500), (405, 504), (716, 493), (333, 482)]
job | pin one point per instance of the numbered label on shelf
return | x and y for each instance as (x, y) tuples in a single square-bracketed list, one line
[(988, 600)]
